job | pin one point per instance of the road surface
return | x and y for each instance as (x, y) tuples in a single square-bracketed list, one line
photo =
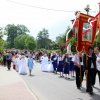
[(48, 86)]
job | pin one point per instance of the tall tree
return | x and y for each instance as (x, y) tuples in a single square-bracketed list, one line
[(1, 40), (20, 41), (25, 41), (43, 39), (13, 31), (30, 43)]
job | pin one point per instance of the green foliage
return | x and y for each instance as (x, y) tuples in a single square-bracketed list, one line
[(53, 45), (30, 43), (43, 40), (25, 41), (12, 31), (1, 33), (20, 41), (1, 45), (72, 41), (97, 41), (1, 40)]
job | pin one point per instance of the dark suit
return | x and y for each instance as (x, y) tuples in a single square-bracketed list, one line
[(91, 60)]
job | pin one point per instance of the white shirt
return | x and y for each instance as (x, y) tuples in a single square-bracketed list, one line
[(98, 63), (59, 58), (77, 59)]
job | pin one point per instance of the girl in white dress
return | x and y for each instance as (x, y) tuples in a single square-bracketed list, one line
[(46, 65), (44, 62), (23, 66), (17, 63)]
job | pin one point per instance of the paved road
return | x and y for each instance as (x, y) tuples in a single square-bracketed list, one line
[(12, 87), (48, 86)]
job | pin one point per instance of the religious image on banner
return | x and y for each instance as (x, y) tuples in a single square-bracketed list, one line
[(87, 32)]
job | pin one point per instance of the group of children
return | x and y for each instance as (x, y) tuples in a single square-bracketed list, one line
[(51, 62), (23, 64), (63, 64)]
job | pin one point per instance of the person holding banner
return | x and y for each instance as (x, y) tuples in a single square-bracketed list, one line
[(78, 62), (90, 67)]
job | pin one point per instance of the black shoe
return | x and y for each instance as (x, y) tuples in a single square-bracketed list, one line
[(87, 90), (91, 93), (68, 78), (78, 88)]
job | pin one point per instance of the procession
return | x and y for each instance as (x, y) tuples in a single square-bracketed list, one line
[(64, 65)]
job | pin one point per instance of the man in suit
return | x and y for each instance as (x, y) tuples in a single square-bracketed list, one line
[(78, 62), (90, 68)]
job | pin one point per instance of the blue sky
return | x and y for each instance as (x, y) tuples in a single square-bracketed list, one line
[(24, 12)]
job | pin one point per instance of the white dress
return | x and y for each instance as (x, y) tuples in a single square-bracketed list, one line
[(17, 63), (23, 66), (45, 65), (50, 67)]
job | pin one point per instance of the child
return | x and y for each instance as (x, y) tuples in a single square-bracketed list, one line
[(30, 64)]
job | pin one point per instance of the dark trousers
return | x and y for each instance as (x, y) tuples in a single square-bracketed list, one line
[(8, 64), (93, 75), (55, 66), (89, 81), (4, 62), (99, 75), (79, 75)]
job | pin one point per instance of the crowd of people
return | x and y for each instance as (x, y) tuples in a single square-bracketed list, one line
[(50, 62), (66, 65)]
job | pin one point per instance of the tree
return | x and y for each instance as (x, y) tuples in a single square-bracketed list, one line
[(1, 40), (43, 39), (25, 41), (1, 33), (97, 41), (30, 43), (61, 40), (53, 45), (1, 44), (13, 31), (21, 29), (20, 41)]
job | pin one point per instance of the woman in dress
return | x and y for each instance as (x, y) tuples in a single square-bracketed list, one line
[(54, 62), (66, 66), (30, 64), (23, 69), (72, 67), (60, 64), (44, 62), (17, 62), (13, 61)]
